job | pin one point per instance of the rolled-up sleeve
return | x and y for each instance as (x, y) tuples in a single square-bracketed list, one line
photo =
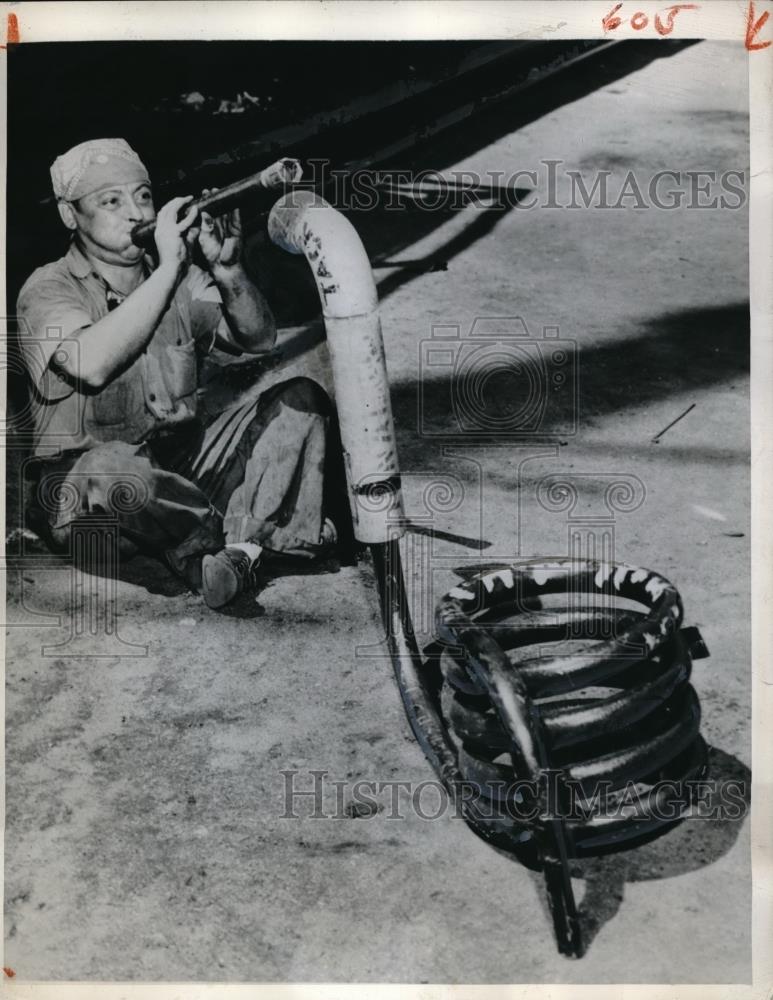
[(49, 312)]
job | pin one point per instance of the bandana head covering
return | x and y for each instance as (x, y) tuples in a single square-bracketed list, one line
[(95, 164)]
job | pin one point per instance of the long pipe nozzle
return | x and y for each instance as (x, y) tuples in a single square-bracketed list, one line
[(280, 174)]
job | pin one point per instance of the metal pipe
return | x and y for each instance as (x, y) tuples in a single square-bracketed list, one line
[(410, 673), (279, 174)]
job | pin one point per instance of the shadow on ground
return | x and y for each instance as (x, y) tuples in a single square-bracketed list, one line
[(686, 847), (672, 354)]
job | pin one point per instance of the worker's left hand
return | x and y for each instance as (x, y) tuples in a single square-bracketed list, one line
[(219, 239)]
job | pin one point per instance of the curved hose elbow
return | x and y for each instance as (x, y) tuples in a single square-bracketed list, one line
[(302, 222)]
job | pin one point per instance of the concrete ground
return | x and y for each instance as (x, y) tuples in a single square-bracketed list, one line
[(145, 837)]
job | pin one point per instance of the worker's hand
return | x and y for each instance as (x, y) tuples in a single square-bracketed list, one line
[(220, 239), (170, 234)]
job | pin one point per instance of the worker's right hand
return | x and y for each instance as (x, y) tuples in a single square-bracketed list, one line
[(170, 232)]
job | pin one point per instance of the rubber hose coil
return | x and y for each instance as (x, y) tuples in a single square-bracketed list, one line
[(581, 670)]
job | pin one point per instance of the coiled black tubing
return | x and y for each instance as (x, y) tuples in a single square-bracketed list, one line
[(568, 669), (576, 668)]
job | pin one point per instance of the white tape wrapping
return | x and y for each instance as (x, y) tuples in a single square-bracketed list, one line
[(302, 222)]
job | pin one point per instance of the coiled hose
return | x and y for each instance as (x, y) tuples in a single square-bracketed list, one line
[(566, 691)]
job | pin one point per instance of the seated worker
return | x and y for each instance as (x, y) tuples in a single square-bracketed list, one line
[(112, 344)]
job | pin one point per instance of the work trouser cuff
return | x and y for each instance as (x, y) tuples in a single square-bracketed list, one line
[(244, 528)]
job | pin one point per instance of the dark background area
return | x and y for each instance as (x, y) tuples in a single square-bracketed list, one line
[(363, 95)]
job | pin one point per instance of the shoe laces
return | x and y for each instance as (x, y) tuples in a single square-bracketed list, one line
[(245, 565)]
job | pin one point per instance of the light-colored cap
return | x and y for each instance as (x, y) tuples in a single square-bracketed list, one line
[(95, 164)]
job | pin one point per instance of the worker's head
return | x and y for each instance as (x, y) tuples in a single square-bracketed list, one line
[(103, 190)]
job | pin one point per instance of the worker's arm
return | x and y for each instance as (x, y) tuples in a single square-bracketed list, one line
[(250, 323), (108, 346)]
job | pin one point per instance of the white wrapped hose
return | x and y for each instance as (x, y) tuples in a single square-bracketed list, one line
[(302, 222)]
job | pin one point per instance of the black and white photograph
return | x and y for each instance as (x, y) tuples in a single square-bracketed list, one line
[(379, 553)]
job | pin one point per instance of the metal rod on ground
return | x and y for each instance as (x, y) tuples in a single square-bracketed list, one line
[(674, 421)]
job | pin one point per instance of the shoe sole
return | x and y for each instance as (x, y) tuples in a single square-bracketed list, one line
[(219, 581)]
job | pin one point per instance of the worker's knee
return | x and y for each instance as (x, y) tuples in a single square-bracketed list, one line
[(113, 477), (111, 458)]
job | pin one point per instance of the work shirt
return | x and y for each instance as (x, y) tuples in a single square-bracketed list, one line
[(157, 391)]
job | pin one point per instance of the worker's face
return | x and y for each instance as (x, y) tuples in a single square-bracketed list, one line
[(104, 220)]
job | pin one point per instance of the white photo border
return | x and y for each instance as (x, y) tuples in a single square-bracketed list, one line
[(504, 19)]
